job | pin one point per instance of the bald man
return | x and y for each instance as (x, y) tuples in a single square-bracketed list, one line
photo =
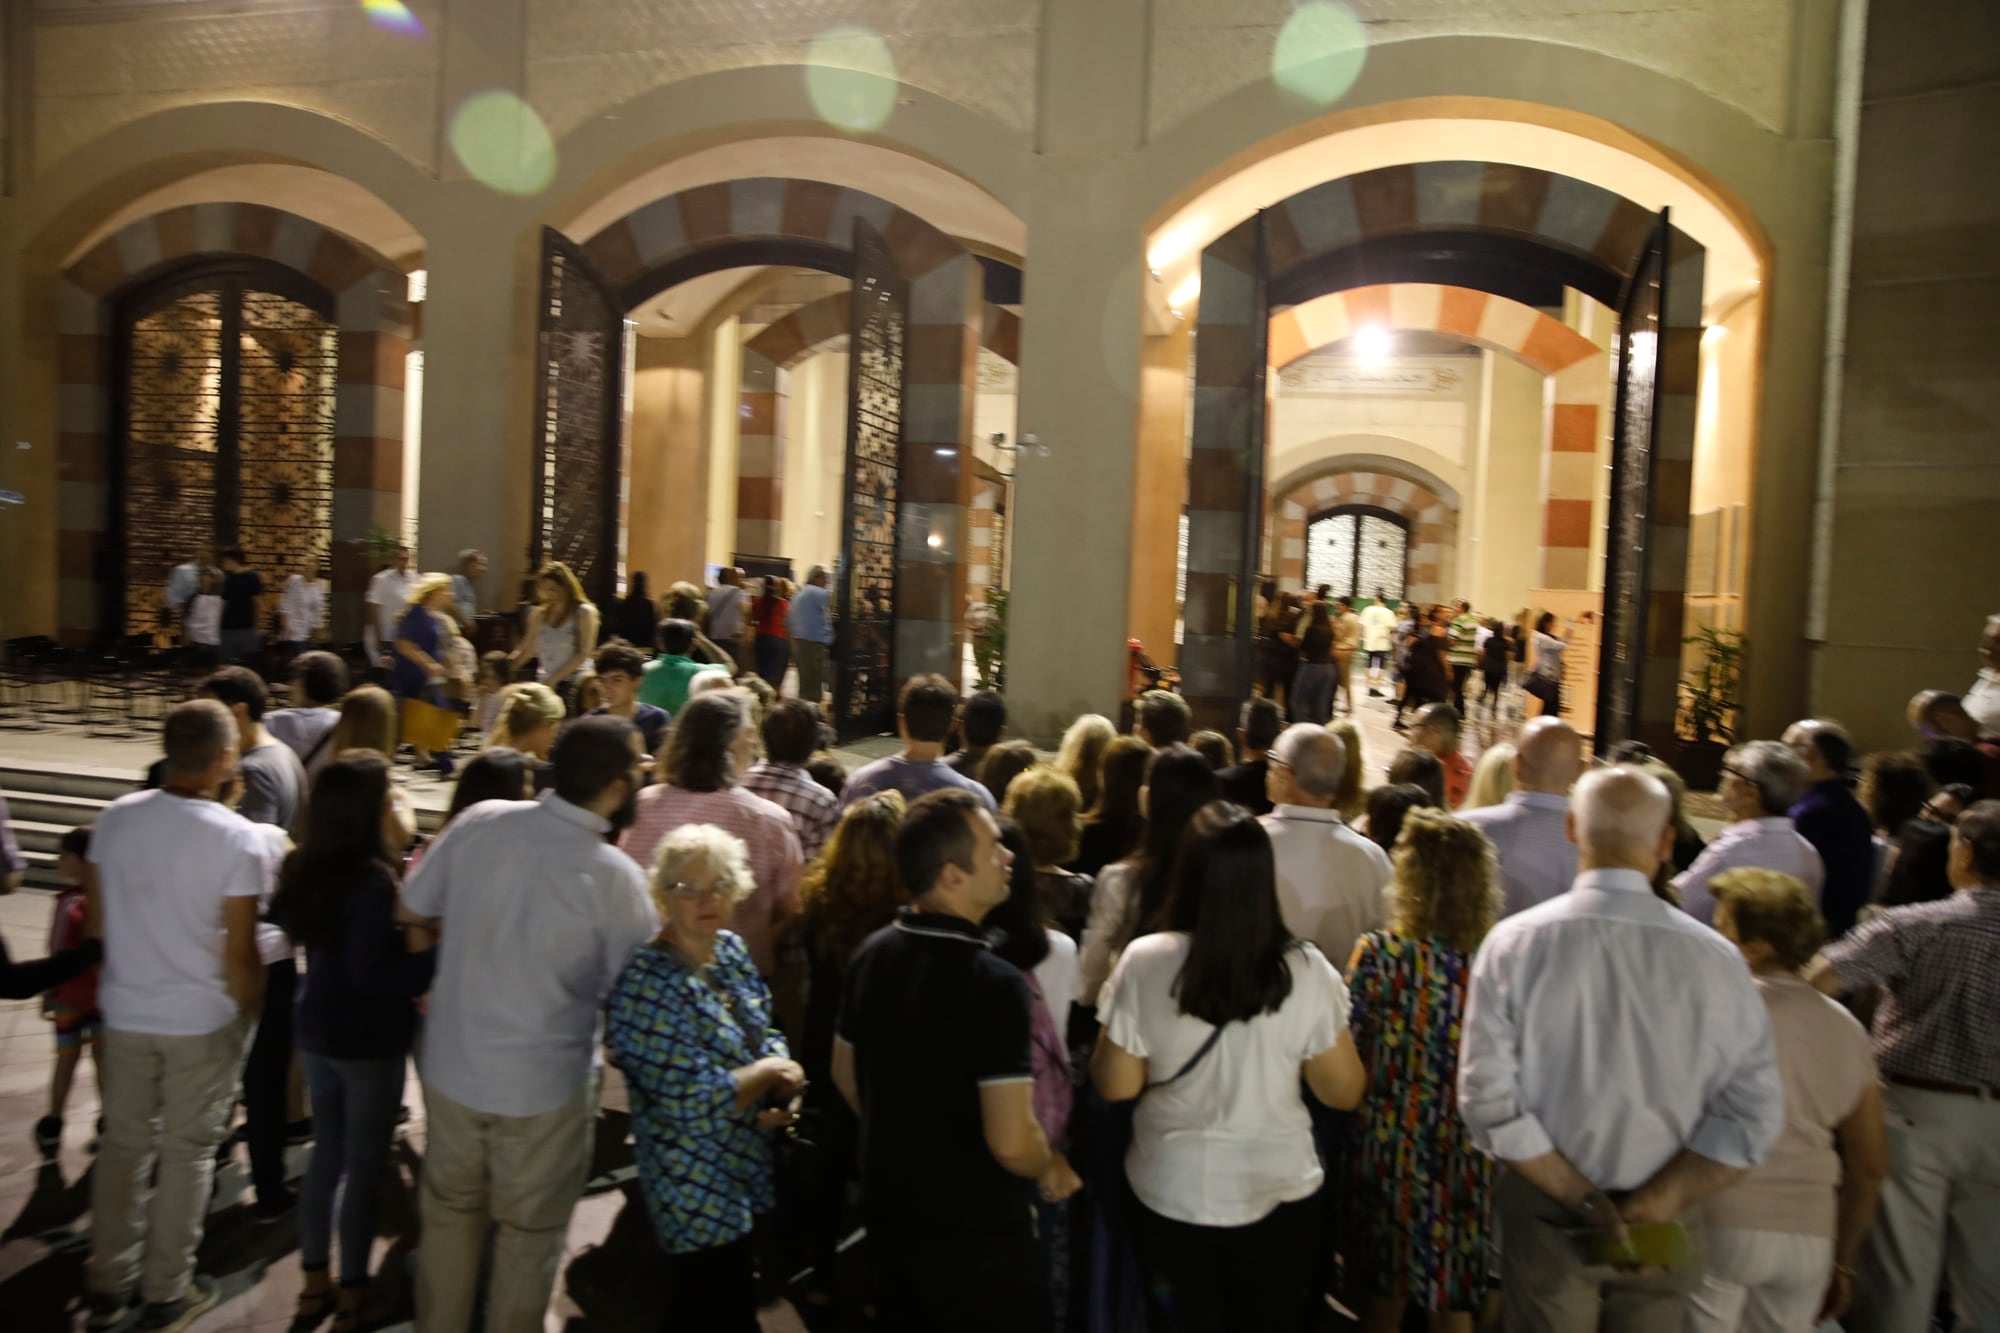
[(1529, 829), (1618, 1064)]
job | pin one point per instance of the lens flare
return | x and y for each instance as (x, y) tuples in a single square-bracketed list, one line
[(394, 16), (851, 78), (1319, 53), (503, 143)]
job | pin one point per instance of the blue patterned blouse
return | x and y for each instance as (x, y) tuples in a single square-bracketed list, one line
[(704, 1167)]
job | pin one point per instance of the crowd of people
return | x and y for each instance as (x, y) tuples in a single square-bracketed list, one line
[(1168, 1029)]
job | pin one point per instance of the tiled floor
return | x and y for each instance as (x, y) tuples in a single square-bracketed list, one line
[(45, 1206)]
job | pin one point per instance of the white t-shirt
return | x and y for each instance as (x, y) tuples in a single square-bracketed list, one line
[(1232, 1139), (1376, 622), (164, 865), (204, 619), (1059, 978), (273, 945), (389, 596), (303, 608)]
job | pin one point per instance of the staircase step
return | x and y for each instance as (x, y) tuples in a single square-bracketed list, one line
[(53, 807), (35, 836)]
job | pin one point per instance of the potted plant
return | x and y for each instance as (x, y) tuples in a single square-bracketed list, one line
[(1709, 702), (988, 623)]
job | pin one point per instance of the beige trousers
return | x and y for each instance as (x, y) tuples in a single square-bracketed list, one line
[(1546, 1288), (170, 1097), (519, 1175), (811, 660)]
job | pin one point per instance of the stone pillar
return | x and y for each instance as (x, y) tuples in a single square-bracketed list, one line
[(1080, 338), (760, 456), (1159, 490)]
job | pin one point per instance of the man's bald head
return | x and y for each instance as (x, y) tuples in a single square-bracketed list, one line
[(1620, 818), (1548, 756)]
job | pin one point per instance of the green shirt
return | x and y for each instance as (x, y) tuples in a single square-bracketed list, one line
[(1464, 650), (667, 678)]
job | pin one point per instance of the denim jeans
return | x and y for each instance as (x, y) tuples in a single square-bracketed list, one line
[(354, 1122)]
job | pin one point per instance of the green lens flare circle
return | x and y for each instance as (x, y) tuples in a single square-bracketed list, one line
[(1320, 52)]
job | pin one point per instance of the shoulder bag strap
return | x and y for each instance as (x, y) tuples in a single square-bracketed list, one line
[(319, 744), (1215, 1035)]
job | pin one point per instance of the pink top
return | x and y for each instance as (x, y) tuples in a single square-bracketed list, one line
[(1825, 1064), (767, 829)]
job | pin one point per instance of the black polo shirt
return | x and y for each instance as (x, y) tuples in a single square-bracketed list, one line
[(932, 1015)]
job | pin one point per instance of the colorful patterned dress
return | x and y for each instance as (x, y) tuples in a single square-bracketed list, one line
[(1424, 1191), (704, 1167)]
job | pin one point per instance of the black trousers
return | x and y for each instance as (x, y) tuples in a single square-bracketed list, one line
[(267, 1074), (712, 1290), (1225, 1279), (932, 1280), (1460, 675)]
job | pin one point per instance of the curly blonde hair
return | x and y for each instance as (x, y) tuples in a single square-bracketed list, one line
[(523, 708), (1048, 807), (854, 887), (1447, 884)]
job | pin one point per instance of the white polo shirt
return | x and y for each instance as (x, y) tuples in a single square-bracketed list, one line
[(1332, 882)]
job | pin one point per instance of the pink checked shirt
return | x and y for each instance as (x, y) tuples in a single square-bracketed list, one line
[(766, 829)]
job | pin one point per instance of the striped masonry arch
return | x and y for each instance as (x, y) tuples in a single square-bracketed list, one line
[(1433, 525)]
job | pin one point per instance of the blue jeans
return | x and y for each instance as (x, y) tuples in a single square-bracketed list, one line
[(354, 1122)]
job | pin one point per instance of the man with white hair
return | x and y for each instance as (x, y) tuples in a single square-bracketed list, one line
[(1617, 1061), (1331, 880), (1529, 829), (1761, 781)]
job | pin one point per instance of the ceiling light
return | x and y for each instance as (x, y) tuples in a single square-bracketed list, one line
[(1371, 345), (1183, 296)]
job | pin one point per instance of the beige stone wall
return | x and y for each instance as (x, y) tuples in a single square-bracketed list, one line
[(585, 57), (94, 72), (1738, 51)]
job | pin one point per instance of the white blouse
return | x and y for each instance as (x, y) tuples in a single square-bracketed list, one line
[(303, 608), (1104, 933), (1232, 1140)]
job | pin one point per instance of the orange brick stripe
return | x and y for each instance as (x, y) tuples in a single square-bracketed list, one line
[(1577, 372), (376, 330)]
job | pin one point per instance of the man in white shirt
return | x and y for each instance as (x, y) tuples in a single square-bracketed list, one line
[(182, 584), (540, 913), (302, 609), (1982, 701), (388, 598), (1331, 880), (1761, 781), (1617, 1061), (1378, 622), (179, 878), (1529, 830)]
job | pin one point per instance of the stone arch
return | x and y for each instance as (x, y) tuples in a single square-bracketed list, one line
[(374, 317), (1433, 522), (762, 417), (1576, 371)]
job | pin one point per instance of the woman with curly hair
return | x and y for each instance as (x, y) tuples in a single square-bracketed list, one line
[(853, 890), (1424, 1192)]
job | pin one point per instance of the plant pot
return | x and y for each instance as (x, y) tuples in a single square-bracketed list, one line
[(1700, 764)]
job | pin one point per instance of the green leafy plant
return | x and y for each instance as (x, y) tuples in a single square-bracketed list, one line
[(989, 640), (1709, 695)]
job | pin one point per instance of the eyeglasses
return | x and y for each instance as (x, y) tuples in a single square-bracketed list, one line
[(1740, 775), (694, 892), (1938, 816)]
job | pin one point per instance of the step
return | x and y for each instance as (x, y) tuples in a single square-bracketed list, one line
[(52, 807), (41, 872), (35, 836), (100, 784)]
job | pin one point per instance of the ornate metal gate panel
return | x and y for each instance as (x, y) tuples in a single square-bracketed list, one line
[(864, 669), (1635, 423), (225, 425), (578, 453), (1356, 549)]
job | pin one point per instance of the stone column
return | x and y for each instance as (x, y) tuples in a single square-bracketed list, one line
[(1080, 337)]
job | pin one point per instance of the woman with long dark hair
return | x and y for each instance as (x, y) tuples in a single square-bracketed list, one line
[(1545, 676), (1131, 894), (356, 1014), (773, 647), (1214, 1024), (1426, 676), (1313, 683), (636, 620), (1111, 825)]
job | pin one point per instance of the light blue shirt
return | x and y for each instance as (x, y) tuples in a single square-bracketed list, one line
[(1611, 1026), (182, 584), (540, 914), (809, 619), (1537, 859), (465, 597), (1770, 843), (896, 773)]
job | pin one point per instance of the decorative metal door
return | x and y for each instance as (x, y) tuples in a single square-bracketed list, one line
[(224, 422), (579, 413), (1357, 549), (864, 667), (1634, 425)]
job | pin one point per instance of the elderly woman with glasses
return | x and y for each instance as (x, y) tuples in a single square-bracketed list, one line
[(710, 1077)]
